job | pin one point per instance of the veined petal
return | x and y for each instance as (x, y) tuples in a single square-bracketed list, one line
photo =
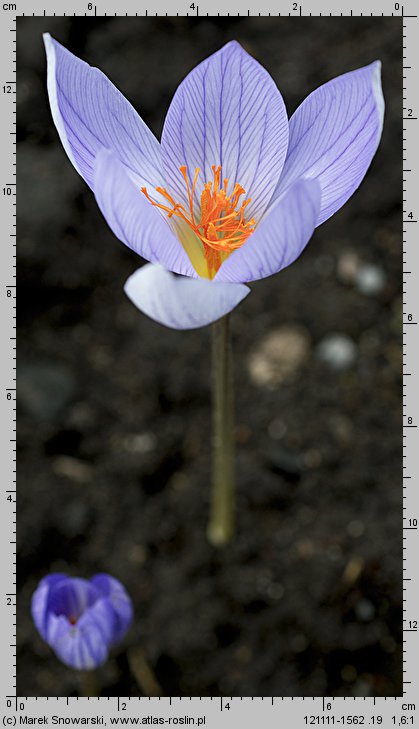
[(133, 220), (56, 627), (83, 646), (334, 135), (39, 603), (71, 597), (229, 112), (178, 302), (117, 597), (90, 113), (279, 238)]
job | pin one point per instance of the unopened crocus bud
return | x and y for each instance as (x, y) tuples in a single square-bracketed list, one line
[(81, 619)]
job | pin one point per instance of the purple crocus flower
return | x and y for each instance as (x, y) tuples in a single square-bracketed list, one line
[(81, 619), (234, 190)]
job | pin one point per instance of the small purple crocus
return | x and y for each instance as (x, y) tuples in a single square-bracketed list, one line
[(234, 190), (81, 619)]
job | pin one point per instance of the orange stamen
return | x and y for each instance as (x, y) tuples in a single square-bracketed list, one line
[(221, 227)]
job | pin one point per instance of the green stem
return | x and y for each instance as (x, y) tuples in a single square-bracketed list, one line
[(221, 524)]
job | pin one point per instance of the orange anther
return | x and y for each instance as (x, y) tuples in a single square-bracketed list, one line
[(221, 226)]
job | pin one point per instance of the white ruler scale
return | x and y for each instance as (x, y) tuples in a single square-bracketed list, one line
[(216, 711)]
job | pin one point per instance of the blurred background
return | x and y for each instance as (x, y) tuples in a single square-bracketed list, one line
[(114, 410)]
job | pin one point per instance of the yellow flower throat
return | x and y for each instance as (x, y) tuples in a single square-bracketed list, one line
[(221, 226)]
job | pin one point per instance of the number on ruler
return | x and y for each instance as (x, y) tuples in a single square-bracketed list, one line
[(413, 624), (7, 89), (7, 191), (413, 523), (410, 112), (410, 216), (20, 707), (409, 421)]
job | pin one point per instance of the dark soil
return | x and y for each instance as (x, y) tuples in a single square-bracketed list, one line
[(114, 410)]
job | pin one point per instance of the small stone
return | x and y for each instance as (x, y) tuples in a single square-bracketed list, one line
[(352, 571), (364, 610), (73, 469), (278, 356), (140, 443), (75, 519), (355, 528), (137, 555), (338, 351), (45, 389), (286, 463), (348, 267), (370, 280)]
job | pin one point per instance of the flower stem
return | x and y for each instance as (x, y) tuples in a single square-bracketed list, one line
[(221, 524), (89, 683)]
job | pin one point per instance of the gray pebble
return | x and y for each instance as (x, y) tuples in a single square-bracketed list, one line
[(370, 280), (45, 389), (338, 351), (364, 610)]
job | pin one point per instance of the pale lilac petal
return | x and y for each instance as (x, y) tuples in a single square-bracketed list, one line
[(57, 626), (83, 646), (178, 302), (133, 218), (334, 135), (90, 113), (229, 112), (279, 238), (119, 600), (103, 614)]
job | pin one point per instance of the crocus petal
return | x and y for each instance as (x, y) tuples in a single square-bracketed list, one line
[(334, 135), (119, 600), (279, 238), (39, 601), (179, 302), (132, 217), (57, 626), (90, 113), (82, 646), (229, 112), (71, 597)]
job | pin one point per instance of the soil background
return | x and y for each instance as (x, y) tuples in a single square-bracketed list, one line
[(114, 425)]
